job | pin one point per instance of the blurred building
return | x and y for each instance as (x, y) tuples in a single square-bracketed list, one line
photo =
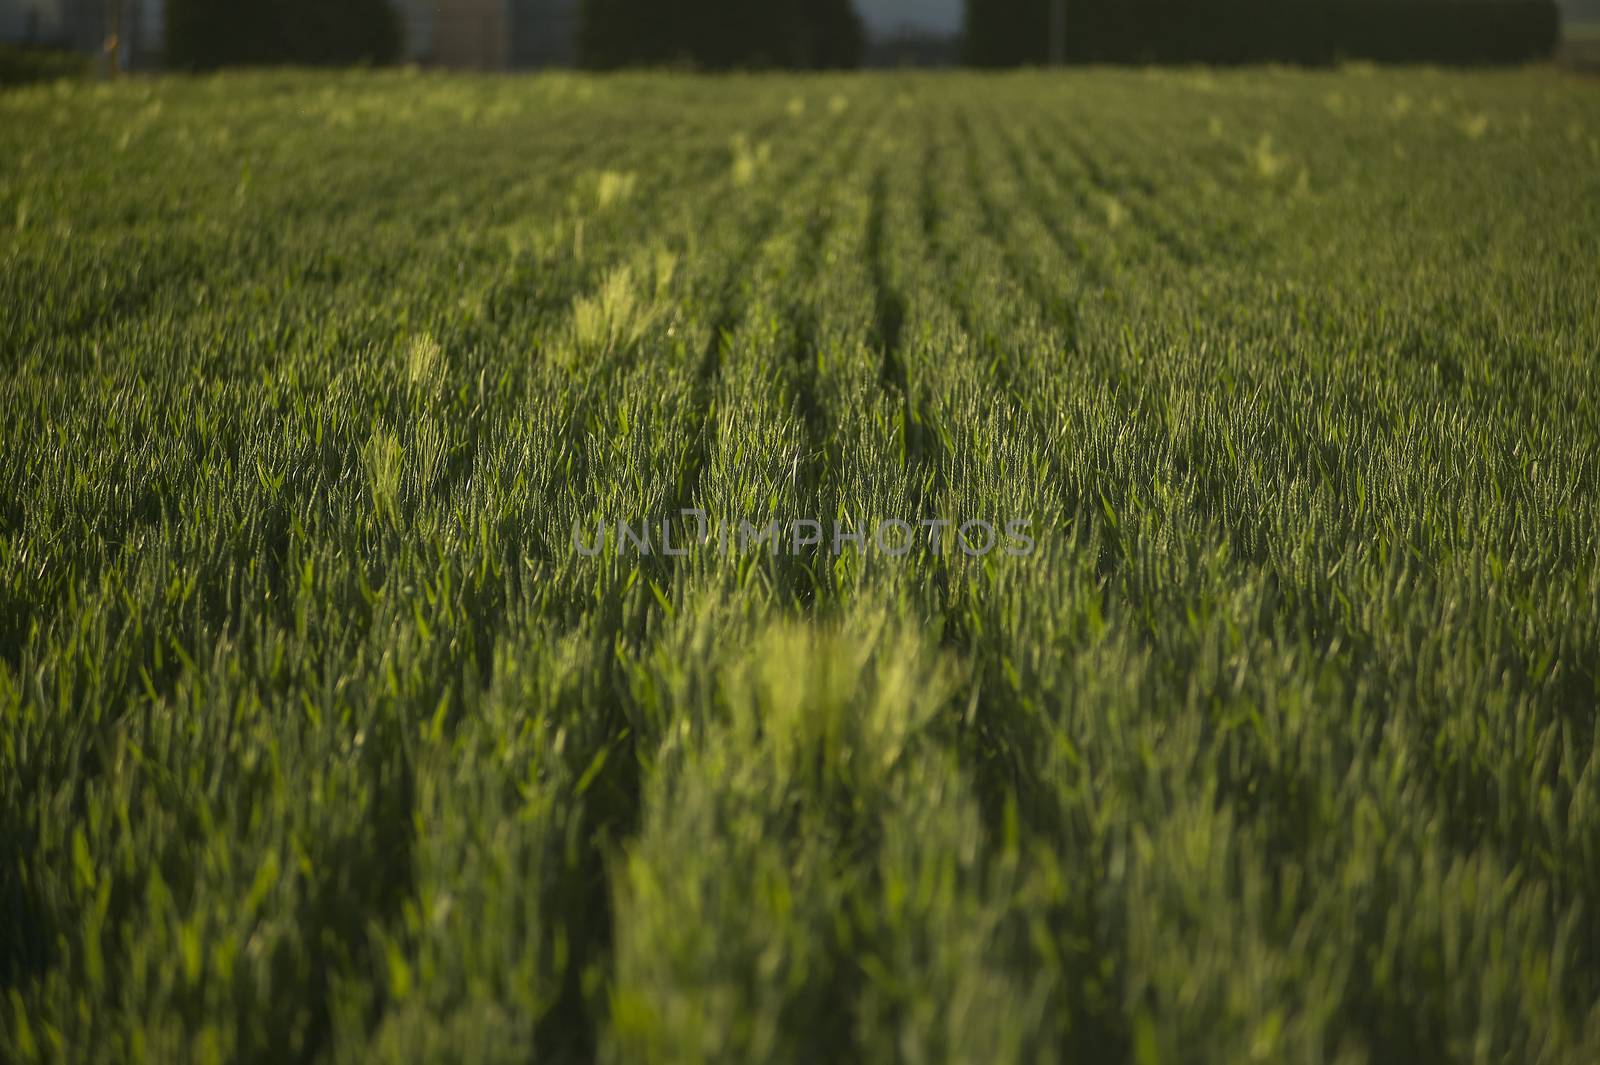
[(464, 34), (911, 46), (469, 34), (86, 25), (491, 34), (544, 33), (912, 19)]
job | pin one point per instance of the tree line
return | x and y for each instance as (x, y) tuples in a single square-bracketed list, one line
[(709, 34), (1017, 32), (813, 34), (720, 34), (204, 34)]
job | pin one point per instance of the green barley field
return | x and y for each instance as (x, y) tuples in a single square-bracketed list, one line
[(343, 723)]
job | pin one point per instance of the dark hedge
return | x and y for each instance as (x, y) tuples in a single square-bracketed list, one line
[(204, 34), (720, 34), (24, 66), (1013, 32)]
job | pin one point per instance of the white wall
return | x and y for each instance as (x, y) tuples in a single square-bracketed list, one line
[(14, 18), (416, 16), (943, 16), (52, 23)]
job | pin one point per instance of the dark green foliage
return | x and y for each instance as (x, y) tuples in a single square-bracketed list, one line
[(23, 66), (1013, 32), (205, 34), (1001, 33), (830, 35), (720, 34)]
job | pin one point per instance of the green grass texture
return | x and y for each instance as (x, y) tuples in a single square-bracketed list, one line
[(320, 742)]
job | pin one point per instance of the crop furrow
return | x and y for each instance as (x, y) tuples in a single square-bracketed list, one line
[(748, 278), (1144, 222)]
